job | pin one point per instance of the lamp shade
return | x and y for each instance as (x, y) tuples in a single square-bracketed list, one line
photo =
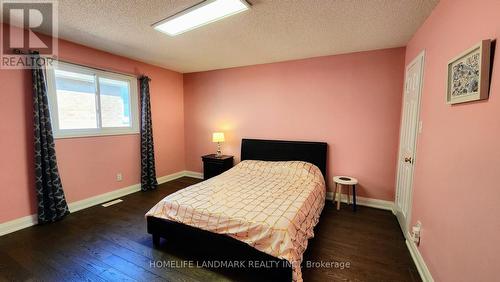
[(218, 137)]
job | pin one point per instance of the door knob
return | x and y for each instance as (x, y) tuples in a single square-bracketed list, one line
[(408, 160)]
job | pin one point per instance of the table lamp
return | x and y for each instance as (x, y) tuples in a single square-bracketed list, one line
[(218, 137)]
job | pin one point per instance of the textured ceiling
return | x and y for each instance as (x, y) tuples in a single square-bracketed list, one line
[(271, 31)]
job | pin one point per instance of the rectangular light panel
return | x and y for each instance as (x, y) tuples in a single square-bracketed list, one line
[(199, 15)]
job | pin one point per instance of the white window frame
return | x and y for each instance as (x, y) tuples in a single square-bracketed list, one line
[(99, 131)]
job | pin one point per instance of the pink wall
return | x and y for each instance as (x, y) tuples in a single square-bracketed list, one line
[(456, 192), (351, 101), (88, 166)]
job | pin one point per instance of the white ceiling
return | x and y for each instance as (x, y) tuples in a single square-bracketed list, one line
[(271, 31)]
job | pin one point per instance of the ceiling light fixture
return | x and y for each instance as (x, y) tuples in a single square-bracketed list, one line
[(200, 14)]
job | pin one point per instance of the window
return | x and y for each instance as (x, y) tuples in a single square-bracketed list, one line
[(90, 102)]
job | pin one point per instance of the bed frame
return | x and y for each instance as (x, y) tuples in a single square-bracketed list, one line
[(280, 150), (211, 246)]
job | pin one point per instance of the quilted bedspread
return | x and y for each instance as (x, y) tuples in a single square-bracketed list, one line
[(271, 206)]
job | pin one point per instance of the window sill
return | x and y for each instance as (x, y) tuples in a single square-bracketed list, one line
[(94, 135)]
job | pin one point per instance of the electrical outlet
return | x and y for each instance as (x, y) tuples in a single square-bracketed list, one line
[(416, 232), (119, 176)]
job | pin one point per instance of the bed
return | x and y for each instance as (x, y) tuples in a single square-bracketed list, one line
[(262, 210)]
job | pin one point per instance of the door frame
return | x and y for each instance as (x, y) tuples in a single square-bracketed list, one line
[(404, 224)]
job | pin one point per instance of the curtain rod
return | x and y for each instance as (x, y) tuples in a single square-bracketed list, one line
[(21, 52), (96, 68)]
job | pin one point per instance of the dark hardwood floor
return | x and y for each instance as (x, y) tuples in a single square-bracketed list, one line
[(102, 244)]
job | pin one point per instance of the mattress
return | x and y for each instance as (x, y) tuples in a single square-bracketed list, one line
[(271, 206)]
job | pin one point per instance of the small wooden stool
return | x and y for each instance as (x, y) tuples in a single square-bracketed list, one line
[(345, 180)]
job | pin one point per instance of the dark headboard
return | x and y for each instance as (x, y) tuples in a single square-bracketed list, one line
[(279, 150)]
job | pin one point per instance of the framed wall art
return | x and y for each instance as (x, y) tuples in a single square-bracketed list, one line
[(469, 74)]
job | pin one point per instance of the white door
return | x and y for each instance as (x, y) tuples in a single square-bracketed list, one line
[(408, 139)]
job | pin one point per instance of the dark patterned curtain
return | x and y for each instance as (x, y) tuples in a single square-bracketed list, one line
[(51, 201), (148, 173)]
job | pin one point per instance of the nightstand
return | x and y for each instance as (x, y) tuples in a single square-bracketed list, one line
[(213, 165)]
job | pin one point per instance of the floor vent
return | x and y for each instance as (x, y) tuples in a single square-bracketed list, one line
[(114, 202)]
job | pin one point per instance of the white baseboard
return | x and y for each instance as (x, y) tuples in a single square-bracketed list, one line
[(30, 220), (193, 174), (367, 202), (102, 198), (18, 224), (171, 177), (106, 197), (424, 272)]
